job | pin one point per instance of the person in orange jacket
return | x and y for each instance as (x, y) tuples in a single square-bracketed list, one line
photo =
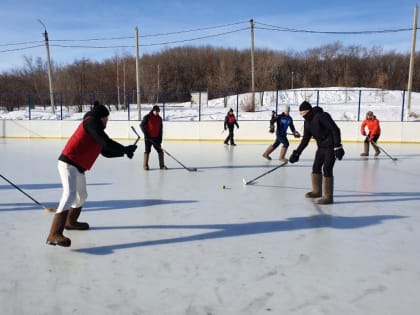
[(374, 132)]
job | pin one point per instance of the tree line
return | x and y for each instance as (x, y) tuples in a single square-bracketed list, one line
[(171, 74)]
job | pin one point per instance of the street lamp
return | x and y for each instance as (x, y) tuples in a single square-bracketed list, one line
[(47, 47)]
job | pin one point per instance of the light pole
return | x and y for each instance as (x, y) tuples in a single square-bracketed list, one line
[(47, 47)]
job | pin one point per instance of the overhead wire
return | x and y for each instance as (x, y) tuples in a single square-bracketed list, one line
[(257, 24)]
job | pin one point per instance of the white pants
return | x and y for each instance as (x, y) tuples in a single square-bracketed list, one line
[(74, 187)]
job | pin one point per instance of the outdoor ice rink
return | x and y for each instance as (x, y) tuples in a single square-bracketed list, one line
[(175, 242)]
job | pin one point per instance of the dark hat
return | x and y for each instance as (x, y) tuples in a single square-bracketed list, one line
[(369, 113), (231, 110), (305, 106), (100, 111), (156, 108)]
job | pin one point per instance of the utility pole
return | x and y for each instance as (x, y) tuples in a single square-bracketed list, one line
[(252, 67), (138, 74), (412, 55), (158, 84), (50, 81), (118, 81)]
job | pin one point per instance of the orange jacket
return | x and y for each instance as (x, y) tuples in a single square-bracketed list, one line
[(372, 125)]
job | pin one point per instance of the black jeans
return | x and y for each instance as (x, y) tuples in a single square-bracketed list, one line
[(324, 162)]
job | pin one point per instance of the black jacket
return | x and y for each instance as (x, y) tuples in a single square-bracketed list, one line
[(319, 125)]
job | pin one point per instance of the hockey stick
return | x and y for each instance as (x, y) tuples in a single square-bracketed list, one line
[(138, 136), (191, 169), (52, 209), (380, 148), (263, 174)]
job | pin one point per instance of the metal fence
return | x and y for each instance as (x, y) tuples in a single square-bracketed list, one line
[(343, 104)]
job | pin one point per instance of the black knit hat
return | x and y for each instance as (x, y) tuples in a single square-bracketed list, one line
[(305, 106), (100, 111), (156, 108)]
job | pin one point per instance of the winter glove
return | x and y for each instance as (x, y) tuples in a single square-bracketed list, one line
[(271, 130), (296, 134), (129, 150), (339, 152), (370, 138), (294, 157), (363, 133)]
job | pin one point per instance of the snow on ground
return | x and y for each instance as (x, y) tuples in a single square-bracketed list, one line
[(341, 103)]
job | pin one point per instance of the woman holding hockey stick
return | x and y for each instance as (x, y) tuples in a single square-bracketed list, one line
[(374, 132), (319, 125), (79, 154)]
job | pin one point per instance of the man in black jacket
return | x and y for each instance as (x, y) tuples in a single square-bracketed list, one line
[(319, 125)]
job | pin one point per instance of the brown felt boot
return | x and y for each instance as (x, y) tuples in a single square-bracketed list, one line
[(365, 149), (377, 151), (56, 236), (328, 187), (282, 157), (146, 161), (72, 224), (316, 186), (267, 152), (161, 161)]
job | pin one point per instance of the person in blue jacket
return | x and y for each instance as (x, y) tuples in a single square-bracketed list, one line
[(283, 122)]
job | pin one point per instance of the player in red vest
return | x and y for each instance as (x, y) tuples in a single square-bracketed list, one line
[(80, 153), (152, 127), (230, 123)]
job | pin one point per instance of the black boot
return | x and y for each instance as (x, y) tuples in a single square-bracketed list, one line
[(56, 236)]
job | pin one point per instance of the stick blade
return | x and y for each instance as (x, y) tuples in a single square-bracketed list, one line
[(192, 169), (244, 181), (50, 209)]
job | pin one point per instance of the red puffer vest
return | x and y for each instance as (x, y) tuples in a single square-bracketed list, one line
[(81, 148)]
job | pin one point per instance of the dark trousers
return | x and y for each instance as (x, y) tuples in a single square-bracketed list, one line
[(281, 138), (152, 142), (324, 162), (230, 136)]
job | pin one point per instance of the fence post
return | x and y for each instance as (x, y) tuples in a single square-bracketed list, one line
[(199, 106), (360, 101), (237, 102), (317, 97), (163, 105), (29, 107), (277, 100), (127, 105), (402, 106), (61, 106)]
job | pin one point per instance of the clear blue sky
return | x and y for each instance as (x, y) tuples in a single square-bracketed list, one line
[(84, 19)]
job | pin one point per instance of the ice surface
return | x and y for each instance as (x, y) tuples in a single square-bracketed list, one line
[(175, 242)]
